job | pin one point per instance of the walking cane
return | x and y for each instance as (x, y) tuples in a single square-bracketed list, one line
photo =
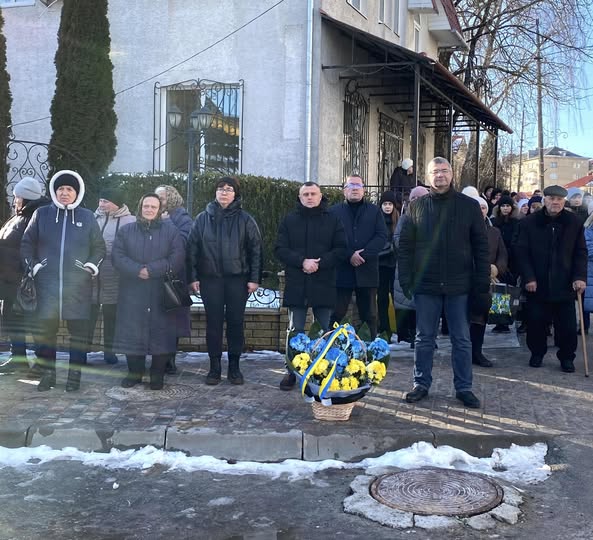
[(580, 302)]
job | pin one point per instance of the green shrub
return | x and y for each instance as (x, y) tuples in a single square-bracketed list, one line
[(268, 200)]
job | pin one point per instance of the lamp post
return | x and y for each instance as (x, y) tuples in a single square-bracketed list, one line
[(197, 123)]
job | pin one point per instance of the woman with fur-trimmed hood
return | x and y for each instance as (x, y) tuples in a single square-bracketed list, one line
[(64, 247)]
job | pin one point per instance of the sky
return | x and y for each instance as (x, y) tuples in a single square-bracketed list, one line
[(518, 464)]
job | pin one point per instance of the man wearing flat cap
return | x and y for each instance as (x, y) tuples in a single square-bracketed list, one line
[(552, 259), (111, 215)]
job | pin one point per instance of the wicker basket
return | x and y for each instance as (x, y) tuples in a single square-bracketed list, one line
[(333, 413)]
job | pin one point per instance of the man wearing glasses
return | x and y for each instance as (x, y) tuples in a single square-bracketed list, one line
[(366, 235), (443, 260)]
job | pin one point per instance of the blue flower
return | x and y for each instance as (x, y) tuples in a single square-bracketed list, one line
[(356, 349), (378, 348), (339, 357), (300, 342)]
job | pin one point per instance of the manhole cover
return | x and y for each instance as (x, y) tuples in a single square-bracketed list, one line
[(140, 392), (441, 492)]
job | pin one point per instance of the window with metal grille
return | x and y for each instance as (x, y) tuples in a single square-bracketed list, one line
[(356, 135)]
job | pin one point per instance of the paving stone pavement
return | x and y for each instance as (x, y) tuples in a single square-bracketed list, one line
[(519, 403)]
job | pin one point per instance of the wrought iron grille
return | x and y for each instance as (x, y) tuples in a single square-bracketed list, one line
[(218, 147), (391, 147), (356, 134)]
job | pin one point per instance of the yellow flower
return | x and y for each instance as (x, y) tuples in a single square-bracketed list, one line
[(354, 383), (376, 371), (334, 386), (355, 367), (301, 362), (321, 368), (345, 383)]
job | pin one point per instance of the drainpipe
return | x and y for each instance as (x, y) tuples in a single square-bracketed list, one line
[(309, 94)]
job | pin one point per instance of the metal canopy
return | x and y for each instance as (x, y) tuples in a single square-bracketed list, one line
[(402, 65)]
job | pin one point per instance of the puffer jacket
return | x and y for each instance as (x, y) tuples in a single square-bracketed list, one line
[(443, 247), (552, 252), (106, 286), (60, 243), (224, 242), (588, 298), (11, 235)]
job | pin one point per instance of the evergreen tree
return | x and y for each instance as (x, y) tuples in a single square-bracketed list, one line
[(5, 121), (83, 119)]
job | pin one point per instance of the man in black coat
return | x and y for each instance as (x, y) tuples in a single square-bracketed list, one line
[(311, 243), (366, 235), (552, 258), (443, 262)]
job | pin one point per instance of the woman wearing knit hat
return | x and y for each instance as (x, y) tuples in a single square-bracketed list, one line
[(403, 177), (64, 247), (535, 204), (387, 261), (28, 196), (111, 215), (174, 209)]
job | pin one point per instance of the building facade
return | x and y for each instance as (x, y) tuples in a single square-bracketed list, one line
[(301, 89)]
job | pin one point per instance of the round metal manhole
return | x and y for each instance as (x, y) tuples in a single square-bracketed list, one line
[(140, 392), (440, 492)]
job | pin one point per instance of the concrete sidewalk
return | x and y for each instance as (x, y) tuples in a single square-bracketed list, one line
[(259, 422)]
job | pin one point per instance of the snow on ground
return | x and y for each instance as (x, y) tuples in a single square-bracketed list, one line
[(517, 464)]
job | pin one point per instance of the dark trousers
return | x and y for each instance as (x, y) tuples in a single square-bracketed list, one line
[(476, 334), (406, 325), (224, 300), (48, 334), (386, 277), (562, 314), (109, 311), (366, 302)]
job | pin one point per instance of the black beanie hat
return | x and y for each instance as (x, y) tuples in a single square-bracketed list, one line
[(505, 200), (67, 179), (229, 181), (388, 196), (535, 198), (113, 195)]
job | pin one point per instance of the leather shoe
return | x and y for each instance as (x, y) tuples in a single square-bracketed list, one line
[(468, 399), (481, 360), (416, 394), (535, 361), (288, 382)]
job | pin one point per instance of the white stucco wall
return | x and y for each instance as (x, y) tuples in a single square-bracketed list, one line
[(148, 37)]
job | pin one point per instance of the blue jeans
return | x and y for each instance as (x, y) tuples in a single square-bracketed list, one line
[(428, 313), (298, 317)]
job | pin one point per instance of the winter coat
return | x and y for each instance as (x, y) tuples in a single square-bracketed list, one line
[(552, 252), (142, 325), (497, 251), (224, 242), (509, 229), (60, 242), (310, 233), (399, 298), (588, 298), (401, 179), (106, 286), (183, 221), (387, 256), (580, 211), (11, 235), (443, 247), (365, 229)]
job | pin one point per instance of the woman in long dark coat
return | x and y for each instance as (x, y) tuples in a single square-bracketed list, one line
[(173, 209), (224, 264), (142, 253)]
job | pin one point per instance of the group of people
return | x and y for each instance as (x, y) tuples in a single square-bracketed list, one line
[(437, 256), (116, 263)]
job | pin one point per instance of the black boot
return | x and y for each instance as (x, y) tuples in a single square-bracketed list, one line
[(73, 382), (157, 371), (234, 375), (48, 379), (213, 376), (135, 373), (476, 332), (171, 368)]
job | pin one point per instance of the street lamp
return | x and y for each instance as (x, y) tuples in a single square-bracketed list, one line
[(197, 123)]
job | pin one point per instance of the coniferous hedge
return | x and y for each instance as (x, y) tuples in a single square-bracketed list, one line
[(268, 200), (5, 119), (83, 119)]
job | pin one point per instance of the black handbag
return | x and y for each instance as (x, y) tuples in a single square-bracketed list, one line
[(26, 293), (175, 292)]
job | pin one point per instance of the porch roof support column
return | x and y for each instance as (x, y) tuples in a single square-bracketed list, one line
[(477, 177), (416, 123), (495, 178)]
